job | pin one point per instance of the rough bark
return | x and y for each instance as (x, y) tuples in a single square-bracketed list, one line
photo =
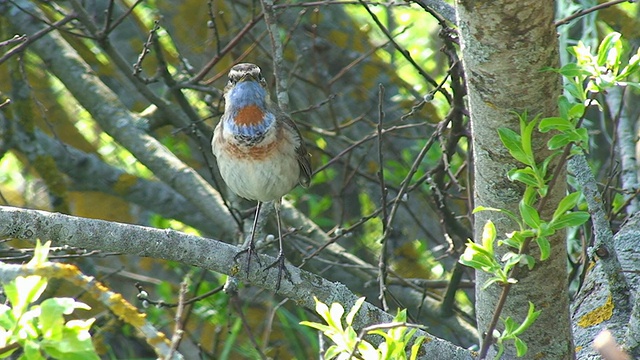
[(206, 253), (608, 298), (505, 45)]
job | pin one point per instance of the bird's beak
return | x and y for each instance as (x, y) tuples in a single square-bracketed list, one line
[(247, 77)]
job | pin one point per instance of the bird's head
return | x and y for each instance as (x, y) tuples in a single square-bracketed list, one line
[(247, 101), (245, 72), (246, 86)]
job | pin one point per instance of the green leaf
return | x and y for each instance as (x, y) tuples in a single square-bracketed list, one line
[(577, 136), (491, 281), (51, 319), (510, 214), (545, 247), (511, 259), (544, 169), (488, 237), (23, 291), (525, 176), (527, 136), (332, 352), (478, 261), (529, 261), (563, 107), (75, 344), (577, 111), (573, 69), (576, 90), (40, 254), (521, 347), (632, 67), (582, 136), (415, 348), (480, 264), (367, 350), (575, 218), (513, 240), (401, 316), (28, 321), (513, 142), (7, 320), (478, 250), (336, 311), (567, 203), (610, 42), (558, 141), (509, 326), (529, 196), (323, 310), (532, 315), (546, 229), (321, 327), (354, 310), (529, 215), (555, 123), (32, 351)]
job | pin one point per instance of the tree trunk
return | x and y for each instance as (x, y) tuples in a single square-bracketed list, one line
[(505, 44)]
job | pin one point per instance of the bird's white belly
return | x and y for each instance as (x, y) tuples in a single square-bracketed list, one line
[(262, 180)]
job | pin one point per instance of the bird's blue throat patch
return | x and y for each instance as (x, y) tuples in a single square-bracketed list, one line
[(248, 117)]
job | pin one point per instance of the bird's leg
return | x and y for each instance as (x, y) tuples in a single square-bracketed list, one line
[(280, 259), (251, 249)]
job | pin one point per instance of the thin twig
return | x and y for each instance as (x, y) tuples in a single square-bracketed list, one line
[(177, 330), (269, 324), (363, 140), (590, 10), (107, 16), (14, 39), (230, 45), (114, 24), (235, 301), (36, 36), (382, 260), (146, 49), (213, 25), (404, 52), (144, 296)]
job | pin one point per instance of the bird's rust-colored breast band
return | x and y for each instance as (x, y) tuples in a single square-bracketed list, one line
[(252, 153), (249, 115)]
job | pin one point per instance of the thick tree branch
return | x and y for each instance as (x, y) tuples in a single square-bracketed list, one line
[(90, 173), (270, 20), (603, 245), (626, 146), (595, 307), (202, 252)]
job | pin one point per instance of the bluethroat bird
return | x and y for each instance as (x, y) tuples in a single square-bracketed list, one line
[(260, 152)]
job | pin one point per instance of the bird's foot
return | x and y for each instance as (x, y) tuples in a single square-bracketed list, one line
[(251, 252), (281, 269)]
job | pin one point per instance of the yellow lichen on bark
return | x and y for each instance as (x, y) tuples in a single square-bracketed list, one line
[(598, 315)]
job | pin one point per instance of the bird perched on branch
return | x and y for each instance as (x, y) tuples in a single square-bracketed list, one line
[(259, 150)]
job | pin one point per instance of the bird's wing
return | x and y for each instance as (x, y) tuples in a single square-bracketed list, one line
[(302, 155)]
